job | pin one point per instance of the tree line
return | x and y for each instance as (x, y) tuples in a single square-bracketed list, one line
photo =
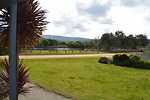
[(119, 40), (69, 44), (107, 42)]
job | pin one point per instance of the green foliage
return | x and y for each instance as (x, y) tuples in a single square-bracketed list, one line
[(92, 44), (22, 76), (130, 61), (106, 41), (47, 42), (134, 59), (104, 60), (142, 40), (119, 41), (53, 42), (43, 43), (121, 60)]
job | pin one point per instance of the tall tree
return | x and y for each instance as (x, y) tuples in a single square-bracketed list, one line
[(120, 39), (142, 40), (130, 42), (44, 43), (106, 41)]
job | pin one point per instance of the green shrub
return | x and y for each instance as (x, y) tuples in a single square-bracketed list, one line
[(134, 60), (22, 78), (121, 60), (104, 60), (116, 59), (130, 61)]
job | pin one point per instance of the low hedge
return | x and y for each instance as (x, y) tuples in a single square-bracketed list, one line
[(121, 60), (130, 61), (126, 60)]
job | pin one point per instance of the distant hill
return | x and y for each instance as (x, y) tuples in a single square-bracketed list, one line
[(65, 39)]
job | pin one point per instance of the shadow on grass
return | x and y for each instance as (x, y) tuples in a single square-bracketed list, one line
[(144, 65), (141, 65)]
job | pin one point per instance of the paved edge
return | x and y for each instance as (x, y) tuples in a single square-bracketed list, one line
[(42, 93)]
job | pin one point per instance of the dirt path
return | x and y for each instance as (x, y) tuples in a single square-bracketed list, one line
[(38, 93), (62, 56)]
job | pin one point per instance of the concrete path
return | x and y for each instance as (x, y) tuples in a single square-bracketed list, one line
[(38, 93), (62, 56)]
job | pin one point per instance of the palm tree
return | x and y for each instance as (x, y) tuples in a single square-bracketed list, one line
[(30, 25)]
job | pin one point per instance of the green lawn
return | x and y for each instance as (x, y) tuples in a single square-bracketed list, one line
[(85, 79)]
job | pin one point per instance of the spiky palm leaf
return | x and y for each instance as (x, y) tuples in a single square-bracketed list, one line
[(30, 24), (22, 76)]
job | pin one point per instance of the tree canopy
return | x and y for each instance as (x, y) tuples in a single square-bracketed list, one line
[(119, 40)]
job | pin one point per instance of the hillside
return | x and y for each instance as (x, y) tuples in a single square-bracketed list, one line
[(62, 38)]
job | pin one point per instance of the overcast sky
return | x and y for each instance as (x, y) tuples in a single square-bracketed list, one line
[(91, 18)]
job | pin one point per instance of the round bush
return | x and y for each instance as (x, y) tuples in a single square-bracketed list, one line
[(130, 61), (121, 60), (116, 59), (104, 60), (134, 58)]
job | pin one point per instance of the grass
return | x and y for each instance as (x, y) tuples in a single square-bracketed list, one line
[(86, 79)]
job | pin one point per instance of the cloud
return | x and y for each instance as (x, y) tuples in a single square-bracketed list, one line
[(89, 18), (147, 15), (70, 24), (95, 9), (135, 3), (80, 27), (107, 21)]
